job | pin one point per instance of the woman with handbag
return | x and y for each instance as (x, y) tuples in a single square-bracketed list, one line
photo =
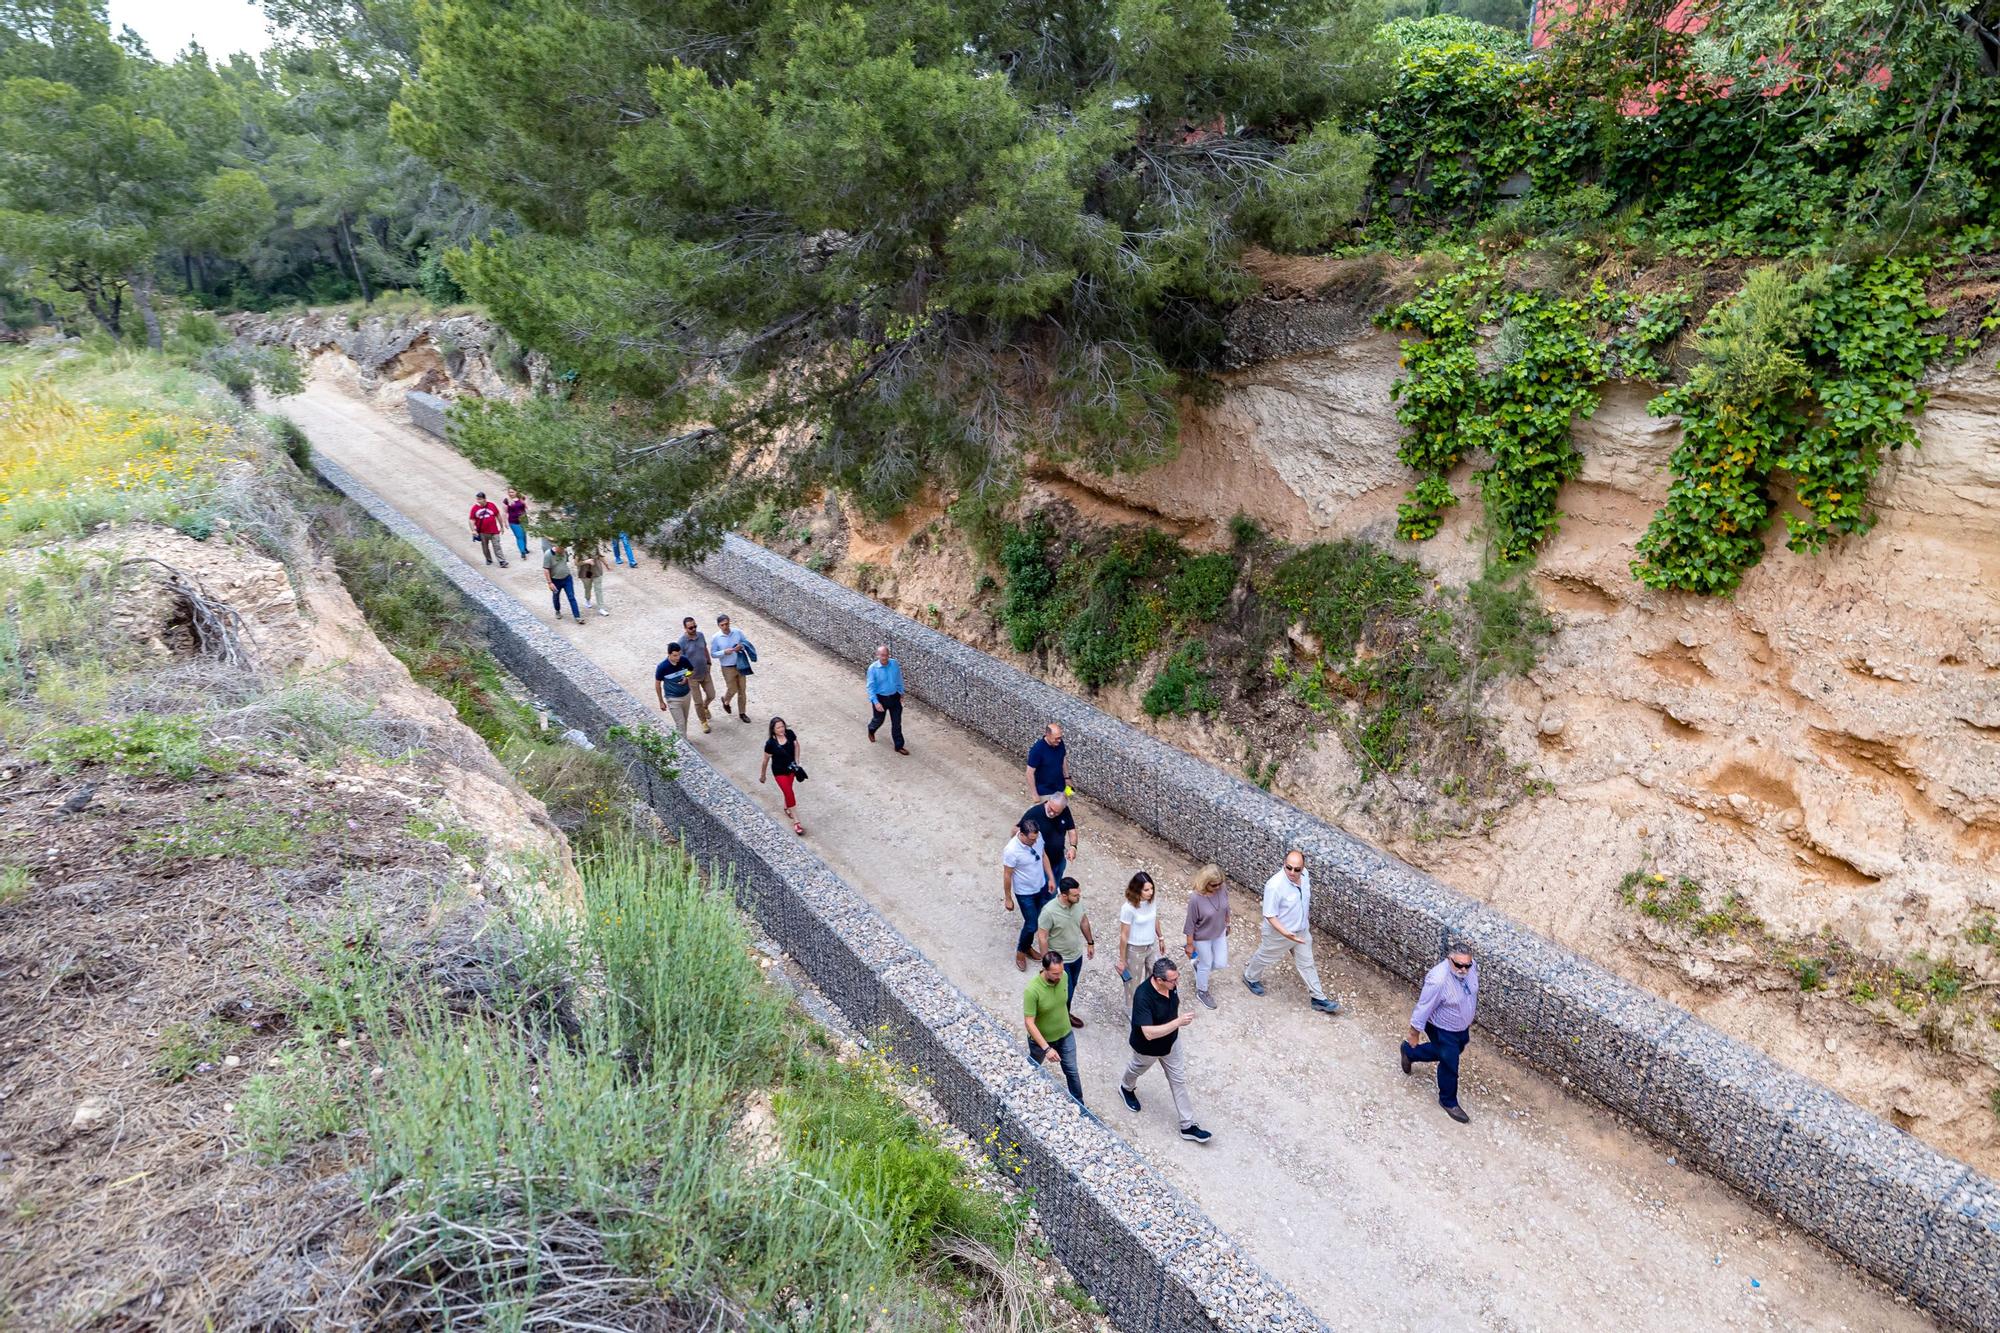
[(781, 758)]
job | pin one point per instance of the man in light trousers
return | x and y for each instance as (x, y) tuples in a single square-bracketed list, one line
[(1445, 1010), (694, 651), (1157, 1021), (1287, 930), (731, 652)]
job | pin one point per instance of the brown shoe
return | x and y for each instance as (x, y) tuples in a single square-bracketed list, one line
[(1458, 1113), (1076, 1022), (1020, 961), (742, 717), (901, 750), (871, 738)]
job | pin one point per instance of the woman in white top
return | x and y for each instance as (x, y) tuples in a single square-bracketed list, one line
[(1138, 931)]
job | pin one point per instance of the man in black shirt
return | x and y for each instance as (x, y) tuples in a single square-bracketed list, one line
[(671, 679), (1157, 1021), (1058, 829)]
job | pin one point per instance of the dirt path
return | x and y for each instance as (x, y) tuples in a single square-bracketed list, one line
[(1338, 1174)]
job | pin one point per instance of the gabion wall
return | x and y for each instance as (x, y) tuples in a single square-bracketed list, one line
[(1923, 1222), (1147, 1254)]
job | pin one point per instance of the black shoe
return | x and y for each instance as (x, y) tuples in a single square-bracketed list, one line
[(1406, 1057), (1254, 987), (1195, 1134), (1458, 1113), (1327, 1006), (1131, 1098)]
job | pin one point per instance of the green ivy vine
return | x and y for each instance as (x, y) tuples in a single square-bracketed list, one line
[(1439, 387), (1553, 353), (1813, 374)]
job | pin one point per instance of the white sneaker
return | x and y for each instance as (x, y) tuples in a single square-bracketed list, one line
[(602, 612)]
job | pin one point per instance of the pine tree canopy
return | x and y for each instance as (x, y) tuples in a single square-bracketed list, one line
[(873, 244)]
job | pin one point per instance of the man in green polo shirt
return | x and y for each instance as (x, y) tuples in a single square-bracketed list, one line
[(1045, 1008), (1065, 927)]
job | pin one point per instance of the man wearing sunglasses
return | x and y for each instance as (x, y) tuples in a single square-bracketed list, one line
[(1444, 1012)]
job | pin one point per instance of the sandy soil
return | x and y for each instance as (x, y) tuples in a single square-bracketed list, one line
[(1334, 1171)]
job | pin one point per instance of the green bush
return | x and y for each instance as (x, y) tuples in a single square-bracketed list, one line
[(291, 439), (1183, 685), (626, 1125), (1339, 588), (142, 746), (844, 1121), (1024, 558), (434, 280), (1200, 588)]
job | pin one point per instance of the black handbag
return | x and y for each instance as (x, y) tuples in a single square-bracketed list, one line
[(799, 773)]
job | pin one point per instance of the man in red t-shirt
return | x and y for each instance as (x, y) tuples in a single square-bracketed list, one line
[(486, 528)]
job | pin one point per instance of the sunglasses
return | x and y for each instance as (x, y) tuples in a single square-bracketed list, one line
[(1461, 967)]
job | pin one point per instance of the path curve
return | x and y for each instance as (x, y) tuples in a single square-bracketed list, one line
[(1336, 1173)]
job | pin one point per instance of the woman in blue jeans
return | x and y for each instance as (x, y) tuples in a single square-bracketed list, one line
[(621, 551), (517, 519), (561, 574)]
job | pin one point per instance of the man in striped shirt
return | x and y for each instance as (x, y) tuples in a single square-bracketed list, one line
[(1444, 1013)]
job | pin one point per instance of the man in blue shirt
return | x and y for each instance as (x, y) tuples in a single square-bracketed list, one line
[(1048, 763), (885, 696), (671, 686), (733, 653), (1445, 1011)]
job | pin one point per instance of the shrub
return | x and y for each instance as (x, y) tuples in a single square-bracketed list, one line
[(1200, 588), (435, 281), (1024, 558), (291, 439), (1183, 685), (846, 1123), (143, 746), (1339, 588)]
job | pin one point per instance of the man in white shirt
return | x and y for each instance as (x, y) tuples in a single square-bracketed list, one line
[(1288, 930), (1025, 879)]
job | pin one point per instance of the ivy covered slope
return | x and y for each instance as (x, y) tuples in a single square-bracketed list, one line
[(1806, 379)]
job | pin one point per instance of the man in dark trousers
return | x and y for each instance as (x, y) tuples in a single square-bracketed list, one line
[(885, 696), (1157, 1021), (1048, 763), (486, 529), (1058, 829), (1445, 1009)]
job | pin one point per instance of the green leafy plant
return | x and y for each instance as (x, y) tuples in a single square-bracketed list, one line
[(1452, 127), (1553, 352), (169, 745), (1683, 902), (1814, 375), (1183, 684), (185, 1048)]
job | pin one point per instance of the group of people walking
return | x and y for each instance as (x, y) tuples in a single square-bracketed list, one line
[(1056, 934), (566, 569)]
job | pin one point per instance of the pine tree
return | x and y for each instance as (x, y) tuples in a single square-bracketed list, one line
[(876, 244)]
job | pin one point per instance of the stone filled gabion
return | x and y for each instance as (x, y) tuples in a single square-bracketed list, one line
[(1145, 1252), (1922, 1222)]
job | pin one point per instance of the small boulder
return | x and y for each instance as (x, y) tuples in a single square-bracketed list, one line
[(89, 1114)]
